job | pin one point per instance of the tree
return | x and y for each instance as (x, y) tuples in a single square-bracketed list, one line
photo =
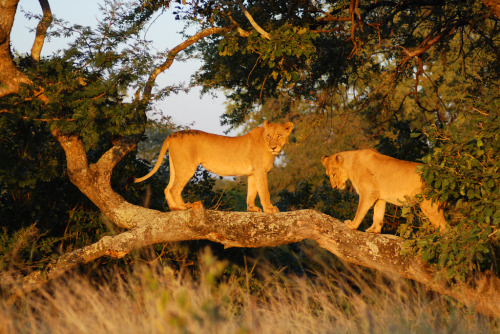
[(77, 101), (394, 60), (417, 68)]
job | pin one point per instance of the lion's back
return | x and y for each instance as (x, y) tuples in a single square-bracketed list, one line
[(393, 178)]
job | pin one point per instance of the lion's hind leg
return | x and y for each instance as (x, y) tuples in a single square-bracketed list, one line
[(179, 177), (434, 213), (172, 203), (378, 217)]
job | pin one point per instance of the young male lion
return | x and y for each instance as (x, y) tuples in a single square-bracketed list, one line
[(251, 154), (378, 179)]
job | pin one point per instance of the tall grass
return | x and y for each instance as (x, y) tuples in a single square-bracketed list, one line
[(161, 300)]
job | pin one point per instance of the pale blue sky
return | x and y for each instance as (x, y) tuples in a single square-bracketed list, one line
[(184, 108)]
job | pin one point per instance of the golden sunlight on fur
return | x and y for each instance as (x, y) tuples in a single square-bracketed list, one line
[(252, 154), (379, 179)]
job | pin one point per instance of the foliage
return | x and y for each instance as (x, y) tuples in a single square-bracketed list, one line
[(361, 56), (404, 144), (336, 203), (35, 247), (286, 44), (463, 172)]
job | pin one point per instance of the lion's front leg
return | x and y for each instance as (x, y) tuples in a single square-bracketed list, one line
[(365, 203), (263, 190), (251, 194)]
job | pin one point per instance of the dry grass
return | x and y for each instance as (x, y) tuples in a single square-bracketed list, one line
[(160, 300)]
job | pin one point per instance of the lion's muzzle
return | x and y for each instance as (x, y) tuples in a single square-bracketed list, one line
[(275, 149), (336, 183)]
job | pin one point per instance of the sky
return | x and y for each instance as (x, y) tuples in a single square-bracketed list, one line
[(202, 113)]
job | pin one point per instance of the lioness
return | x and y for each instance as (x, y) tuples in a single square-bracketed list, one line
[(378, 179), (251, 154)]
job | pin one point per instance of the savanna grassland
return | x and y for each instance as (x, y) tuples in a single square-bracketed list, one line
[(213, 298)]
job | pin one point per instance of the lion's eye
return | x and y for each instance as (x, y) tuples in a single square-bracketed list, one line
[(279, 136), (268, 137)]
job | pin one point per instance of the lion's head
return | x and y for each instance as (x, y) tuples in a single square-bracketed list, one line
[(335, 170), (276, 135)]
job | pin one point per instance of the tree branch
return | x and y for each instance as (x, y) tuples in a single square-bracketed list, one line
[(241, 32), (94, 180), (244, 229), (254, 24), (10, 76), (146, 96), (431, 40), (41, 31)]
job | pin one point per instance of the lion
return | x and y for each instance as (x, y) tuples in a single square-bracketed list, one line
[(251, 154), (379, 179)]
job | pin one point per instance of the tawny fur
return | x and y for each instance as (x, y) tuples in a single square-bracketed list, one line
[(252, 154), (379, 179)]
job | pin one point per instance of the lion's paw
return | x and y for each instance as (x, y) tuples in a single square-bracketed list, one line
[(254, 209), (349, 224), (196, 205), (272, 210), (374, 229)]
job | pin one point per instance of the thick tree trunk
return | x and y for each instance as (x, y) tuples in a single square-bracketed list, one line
[(10, 76)]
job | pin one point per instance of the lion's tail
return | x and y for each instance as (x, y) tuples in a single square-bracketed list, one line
[(163, 151)]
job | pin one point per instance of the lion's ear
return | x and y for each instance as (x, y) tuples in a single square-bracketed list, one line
[(266, 124), (324, 160), (288, 127), (339, 158)]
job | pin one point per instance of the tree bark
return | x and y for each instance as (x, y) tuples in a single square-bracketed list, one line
[(245, 229), (10, 76), (41, 31)]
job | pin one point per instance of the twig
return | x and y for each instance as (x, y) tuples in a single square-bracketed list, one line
[(254, 24)]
